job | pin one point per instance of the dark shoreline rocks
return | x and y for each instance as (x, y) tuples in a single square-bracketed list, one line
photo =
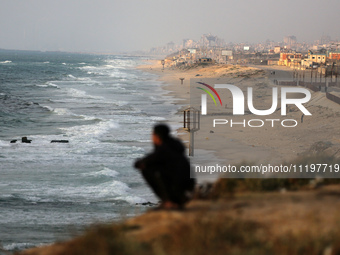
[(59, 141), (25, 140)]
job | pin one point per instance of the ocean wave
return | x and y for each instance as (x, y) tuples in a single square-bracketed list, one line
[(81, 194), (18, 246), (90, 131), (5, 62), (133, 199), (87, 67), (72, 77), (48, 85), (104, 172), (114, 71), (49, 108), (81, 94), (111, 188), (84, 79), (11, 104), (62, 111), (122, 63), (65, 111), (4, 143), (156, 118), (93, 70)]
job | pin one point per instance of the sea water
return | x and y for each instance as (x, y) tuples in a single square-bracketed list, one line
[(105, 108)]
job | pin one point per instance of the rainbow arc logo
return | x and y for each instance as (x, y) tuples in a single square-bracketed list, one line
[(204, 96)]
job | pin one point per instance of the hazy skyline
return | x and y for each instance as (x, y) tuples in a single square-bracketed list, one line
[(115, 26)]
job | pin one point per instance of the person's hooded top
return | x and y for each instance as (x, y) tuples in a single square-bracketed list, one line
[(169, 159)]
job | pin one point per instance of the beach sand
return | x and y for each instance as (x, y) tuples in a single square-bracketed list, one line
[(257, 145)]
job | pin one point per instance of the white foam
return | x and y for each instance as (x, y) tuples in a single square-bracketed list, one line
[(62, 111), (47, 85), (81, 94), (5, 62), (113, 70), (71, 76), (65, 111), (18, 246), (121, 63), (89, 132), (133, 199), (51, 84), (48, 108), (87, 67), (111, 188), (108, 190), (156, 118), (109, 66), (4, 143), (105, 172), (84, 79)]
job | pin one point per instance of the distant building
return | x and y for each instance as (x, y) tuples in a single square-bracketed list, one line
[(334, 56), (277, 49), (209, 41), (290, 59), (205, 61), (317, 57), (290, 40), (189, 43)]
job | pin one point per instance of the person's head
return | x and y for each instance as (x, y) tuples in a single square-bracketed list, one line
[(161, 133)]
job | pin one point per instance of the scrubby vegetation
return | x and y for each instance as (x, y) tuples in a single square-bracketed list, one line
[(216, 229), (219, 235)]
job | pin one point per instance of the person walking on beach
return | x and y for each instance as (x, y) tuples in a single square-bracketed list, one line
[(167, 169)]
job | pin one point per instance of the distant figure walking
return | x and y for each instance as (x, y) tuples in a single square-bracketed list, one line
[(302, 117), (167, 169)]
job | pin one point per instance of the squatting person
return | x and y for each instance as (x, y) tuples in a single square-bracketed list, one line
[(167, 169)]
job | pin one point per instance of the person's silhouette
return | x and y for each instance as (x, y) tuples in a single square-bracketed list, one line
[(167, 169)]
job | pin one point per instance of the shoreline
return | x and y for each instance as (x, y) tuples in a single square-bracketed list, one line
[(181, 100), (270, 145)]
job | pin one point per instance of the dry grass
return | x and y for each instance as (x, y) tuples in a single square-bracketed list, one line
[(218, 235)]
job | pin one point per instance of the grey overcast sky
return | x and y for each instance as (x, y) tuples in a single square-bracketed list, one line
[(125, 25)]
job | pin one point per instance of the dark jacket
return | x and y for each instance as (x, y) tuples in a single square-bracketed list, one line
[(170, 161)]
